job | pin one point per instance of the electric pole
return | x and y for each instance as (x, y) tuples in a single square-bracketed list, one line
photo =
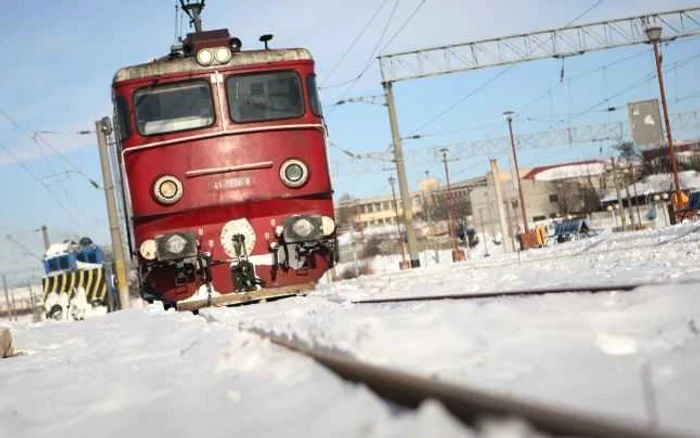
[(406, 202), (10, 314), (429, 216), (483, 234), (104, 128), (502, 218), (45, 237), (509, 117), (404, 264), (457, 254), (654, 35)]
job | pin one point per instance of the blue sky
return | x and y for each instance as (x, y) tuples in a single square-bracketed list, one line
[(59, 59)]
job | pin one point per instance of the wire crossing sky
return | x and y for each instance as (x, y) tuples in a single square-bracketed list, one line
[(55, 79)]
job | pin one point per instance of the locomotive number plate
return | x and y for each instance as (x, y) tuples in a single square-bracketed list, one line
[(230, 184)]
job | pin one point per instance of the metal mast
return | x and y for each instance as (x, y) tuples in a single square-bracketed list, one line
[(193, 9), (553, 43)]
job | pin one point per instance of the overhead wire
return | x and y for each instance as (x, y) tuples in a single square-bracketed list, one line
[(38, 140), (40, 182), (373, 53), (497, 76), (350, 47)]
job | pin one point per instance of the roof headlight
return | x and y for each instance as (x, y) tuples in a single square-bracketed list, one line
[(168, 189), (149, 249), (294, 173), (222, 55), (205, 57)]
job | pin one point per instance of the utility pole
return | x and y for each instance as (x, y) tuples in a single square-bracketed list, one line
[(633, 179), (45, 237), (483, 234), (401, 173), (623, 218), (429, 215), (10, 314), (404, 264), (630, 211), (457, 254), (654, 35), (509, 117), (104, 128), (502, 218)]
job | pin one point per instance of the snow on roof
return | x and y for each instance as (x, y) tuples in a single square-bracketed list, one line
[(659, 183), (567, 170)]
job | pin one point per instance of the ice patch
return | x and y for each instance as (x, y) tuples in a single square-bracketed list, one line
[(616, 345)]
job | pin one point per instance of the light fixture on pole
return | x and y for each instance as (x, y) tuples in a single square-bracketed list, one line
[(457, 254), (654, 35), (509, 118)]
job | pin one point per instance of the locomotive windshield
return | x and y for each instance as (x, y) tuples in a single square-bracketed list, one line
[(173, 107), (264, 96)]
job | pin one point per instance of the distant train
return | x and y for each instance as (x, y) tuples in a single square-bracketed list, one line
[(77, 282), (225, 172)]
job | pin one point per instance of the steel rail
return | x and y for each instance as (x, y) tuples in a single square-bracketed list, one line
[(469, 405), (514, 293)]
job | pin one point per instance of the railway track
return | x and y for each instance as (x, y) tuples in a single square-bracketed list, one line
[(469, 405), (512, 293)]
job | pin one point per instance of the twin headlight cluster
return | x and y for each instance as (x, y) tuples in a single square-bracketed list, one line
[(168, 189), (213, 56), (171, 246)]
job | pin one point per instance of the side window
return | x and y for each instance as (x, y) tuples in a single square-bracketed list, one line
[(64, 263), (122, 114), (313, 96)]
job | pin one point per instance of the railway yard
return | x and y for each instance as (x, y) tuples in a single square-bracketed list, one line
[(614, 363), (506, 246)]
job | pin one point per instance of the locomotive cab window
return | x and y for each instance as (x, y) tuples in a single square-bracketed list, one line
[(264, 96), (313, 95), (173, 107)]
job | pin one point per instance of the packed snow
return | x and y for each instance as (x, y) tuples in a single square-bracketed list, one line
[(147, 372)]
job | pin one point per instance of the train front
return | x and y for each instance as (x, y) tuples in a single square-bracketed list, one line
[(225, 169)]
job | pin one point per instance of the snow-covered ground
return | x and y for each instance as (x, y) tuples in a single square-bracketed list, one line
[(152, 373), (580, 350), (141, 374)]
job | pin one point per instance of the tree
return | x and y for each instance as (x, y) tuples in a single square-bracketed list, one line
[(345, 211), (440, 206)]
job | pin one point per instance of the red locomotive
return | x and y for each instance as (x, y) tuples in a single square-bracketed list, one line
[(226, 179)]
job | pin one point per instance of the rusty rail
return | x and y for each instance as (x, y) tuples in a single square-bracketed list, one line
[(467, 404), (512, 293)]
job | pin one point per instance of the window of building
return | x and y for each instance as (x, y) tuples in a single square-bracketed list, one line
[(553, 198)]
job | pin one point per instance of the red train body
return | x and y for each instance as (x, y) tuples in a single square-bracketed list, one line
[(226, 179)]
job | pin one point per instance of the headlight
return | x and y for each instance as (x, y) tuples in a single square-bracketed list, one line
[(294, 173), (205, 57), (175, 246), (222, 55), (303, 228), (149, 249), (328, 225), (167, 189)]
